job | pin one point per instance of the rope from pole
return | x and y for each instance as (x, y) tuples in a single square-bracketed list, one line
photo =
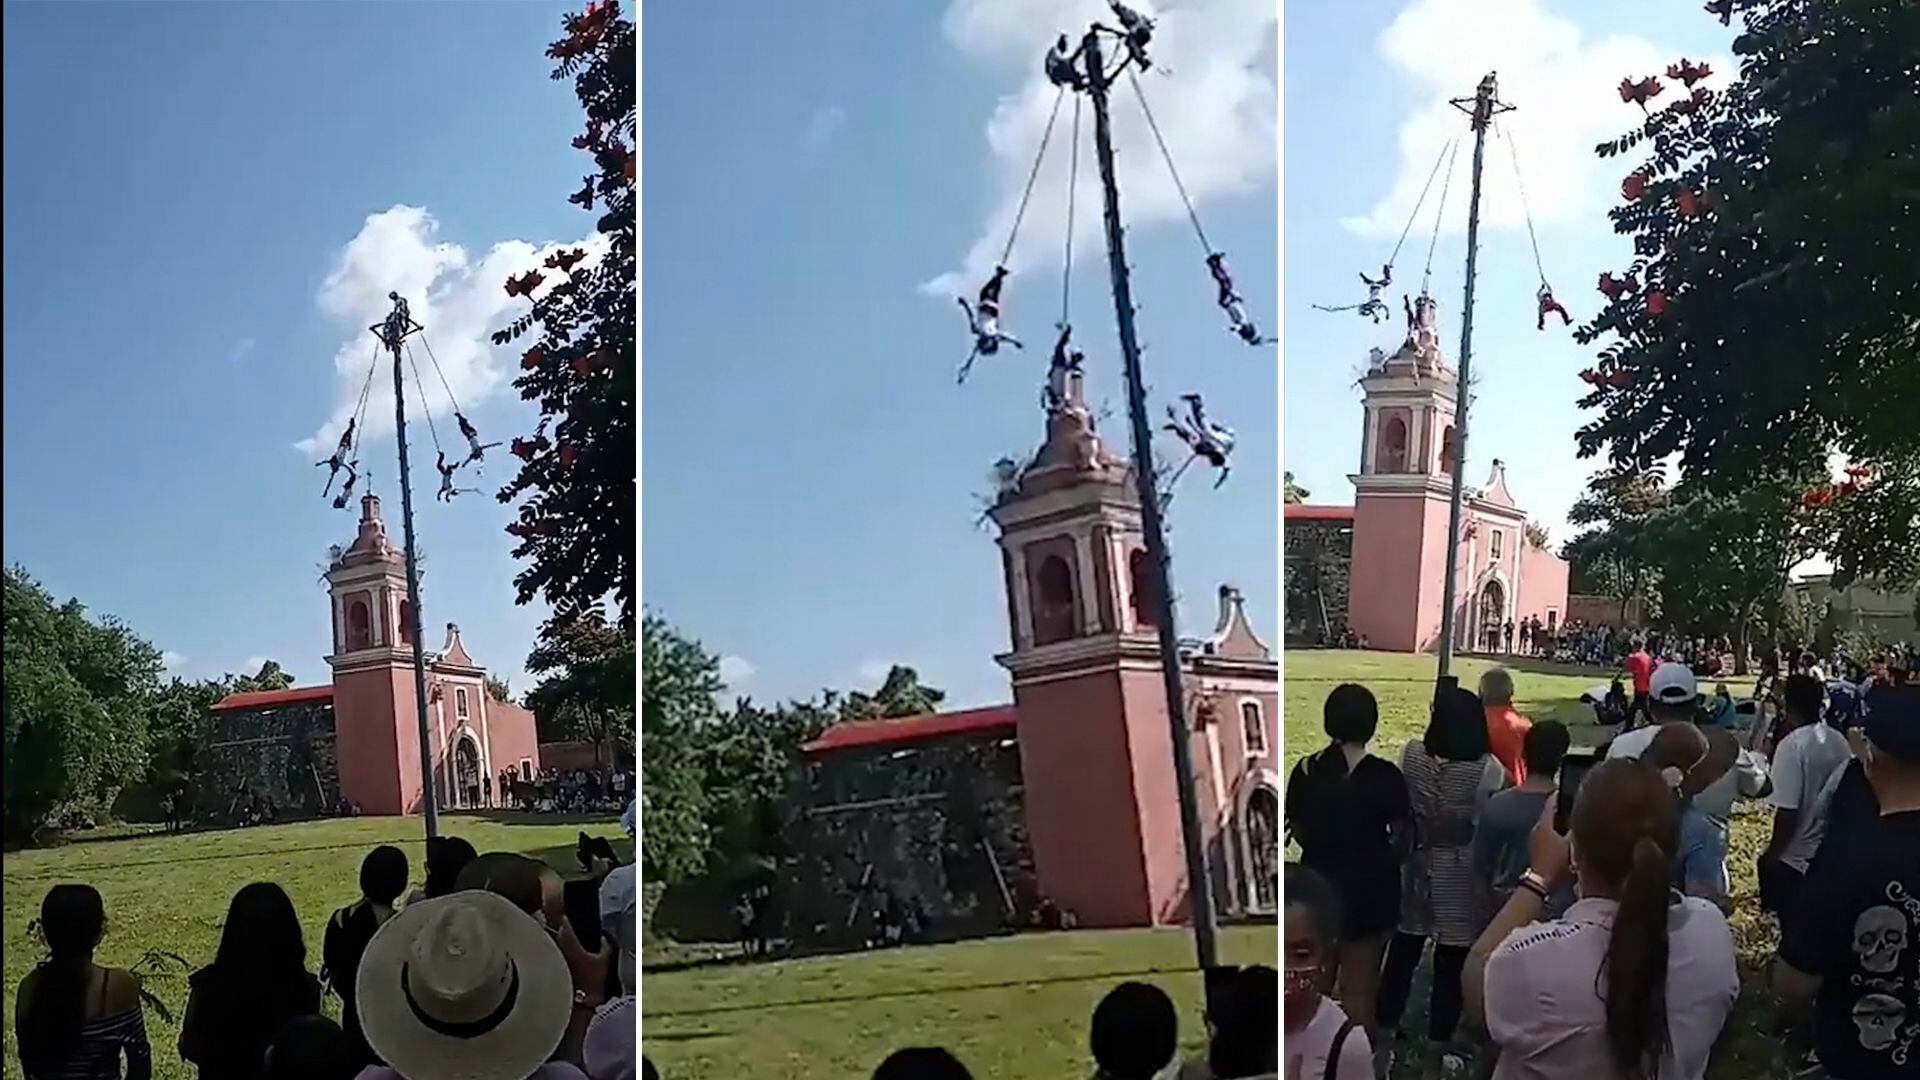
[(358, 420), (1439, 216), (1032, 176), (424, 406), (1073, 184), (1414, 214), (1513, 154), (1154, 126)]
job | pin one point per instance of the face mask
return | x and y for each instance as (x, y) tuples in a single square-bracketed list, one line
[(1300, 996)]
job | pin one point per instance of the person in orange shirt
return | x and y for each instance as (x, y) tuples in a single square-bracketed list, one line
[(1506, 728)]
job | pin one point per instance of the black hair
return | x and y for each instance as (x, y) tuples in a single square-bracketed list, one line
[(383, 874), (1134, 1031), (922, 1063), (1351, 714), (1246, 1029), (446, 857), (1804, 697), (589, 848), (262, 932), (1457, 731), (648, 1070), (310, 1048), (1309, 889), (71, 920), (1544, 747)]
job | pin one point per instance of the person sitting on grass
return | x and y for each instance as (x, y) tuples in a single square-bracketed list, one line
[(257, 982), (383, 876), (922, 1063), (1321, 1042), (1134, 1032), (72, 1017)]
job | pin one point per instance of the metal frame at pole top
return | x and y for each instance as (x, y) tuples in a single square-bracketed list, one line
[(393, 332), (1199, 882)]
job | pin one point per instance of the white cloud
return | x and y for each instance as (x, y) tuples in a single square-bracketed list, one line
[(458, 299), (171, 661), (822, 127), (253, 665), (735, 670), (1215, 107), (1565, 86)]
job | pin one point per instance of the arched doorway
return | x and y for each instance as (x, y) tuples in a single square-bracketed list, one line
[(1493, 611), (1262, 864), (466, 773)]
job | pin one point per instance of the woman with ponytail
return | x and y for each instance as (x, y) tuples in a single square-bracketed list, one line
[(1348, 812), (1635, 981), (73, 1019)]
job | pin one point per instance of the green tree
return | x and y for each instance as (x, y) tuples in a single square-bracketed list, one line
[(1294, 493), (585, 692), (576, 518), (1613, 556), (1768, 313), (1537, 535), (679, 680), (900, 694), (500, 689), (180, 725), (78, 693), (269, 677)]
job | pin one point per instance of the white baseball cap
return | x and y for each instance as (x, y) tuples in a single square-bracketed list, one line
[(1673, 684)]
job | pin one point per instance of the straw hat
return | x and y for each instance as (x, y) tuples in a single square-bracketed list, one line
[(464, 987)]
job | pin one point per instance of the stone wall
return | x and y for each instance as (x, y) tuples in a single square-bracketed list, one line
[(936, 829), (1319, 562), (285, 755)]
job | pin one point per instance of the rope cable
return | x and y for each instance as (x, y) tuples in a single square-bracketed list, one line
[(1073, 184), (357, 420), (1513, 153), (1425, 189), (426, 407), (1154, 126), (1439, 215), (428, 345), (1033, 175)]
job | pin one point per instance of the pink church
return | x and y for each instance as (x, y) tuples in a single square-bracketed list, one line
[(1400, 509), (1070, 791), (367, 718)]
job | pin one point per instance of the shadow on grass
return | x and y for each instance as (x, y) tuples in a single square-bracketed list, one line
[(529, 817), (899, 995)]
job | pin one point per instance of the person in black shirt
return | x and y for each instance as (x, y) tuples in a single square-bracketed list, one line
[(1853, 945), (1350, 814), (257, 982), (383, 877)]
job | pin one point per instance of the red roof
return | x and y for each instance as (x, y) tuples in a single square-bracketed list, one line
[(1299, 512), (262, 699), (908, 729)]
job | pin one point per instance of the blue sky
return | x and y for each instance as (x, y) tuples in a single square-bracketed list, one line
[(1365, 117), (188, 245), (809, 466)]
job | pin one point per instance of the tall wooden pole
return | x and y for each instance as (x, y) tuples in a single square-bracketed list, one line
[(1484, 105), (399, 324), (1199, 882)]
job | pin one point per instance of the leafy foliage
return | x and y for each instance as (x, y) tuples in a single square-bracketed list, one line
[(78, 691), (679, 680), (1614, 556), (1293, 493), (269, 677), (500, 689), (576, 521), (586, 686), (1768, 315)]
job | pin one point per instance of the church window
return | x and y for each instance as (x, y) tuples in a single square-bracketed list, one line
[(359, 626), (1140, 588), (1393, 447), (1493, 544), (460, 701), (1446, 451), (526, 770), (406, 622), (1253, 728), (1054, 618)]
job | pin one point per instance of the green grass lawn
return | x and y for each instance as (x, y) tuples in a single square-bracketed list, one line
[(1013, 1008), (1404, 686), (170, 892)]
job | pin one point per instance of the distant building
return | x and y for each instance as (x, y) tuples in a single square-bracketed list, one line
[(1387, 552), (1863, 607), (1064, 800), (311, 748)]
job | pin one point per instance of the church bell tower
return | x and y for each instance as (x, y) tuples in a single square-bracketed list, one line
[(372, 661)]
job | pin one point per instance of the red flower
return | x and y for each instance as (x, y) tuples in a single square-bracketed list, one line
[(567, 454), (1688, 72), (1590, 377), (1639, 93), (1722, 8), (584, 197), (1688, 202), (1634, 186), (564, 261), (1859, 472), (525, 283), (1619, 378), (583, 365), (1820, 496), (1627, 89), (515, 528), (1656, 303), (532, 357), (1612, 286), (627, 169)]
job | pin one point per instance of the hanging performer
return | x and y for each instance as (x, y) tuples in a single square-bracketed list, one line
[(1066, 364), (1206, 440), (477, 451), (1060, 69), (1139, 31), (1550, 306), (447, 490), (1230, 301), (338, 461), (1373, 306), (346, 493), (984, 321)]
